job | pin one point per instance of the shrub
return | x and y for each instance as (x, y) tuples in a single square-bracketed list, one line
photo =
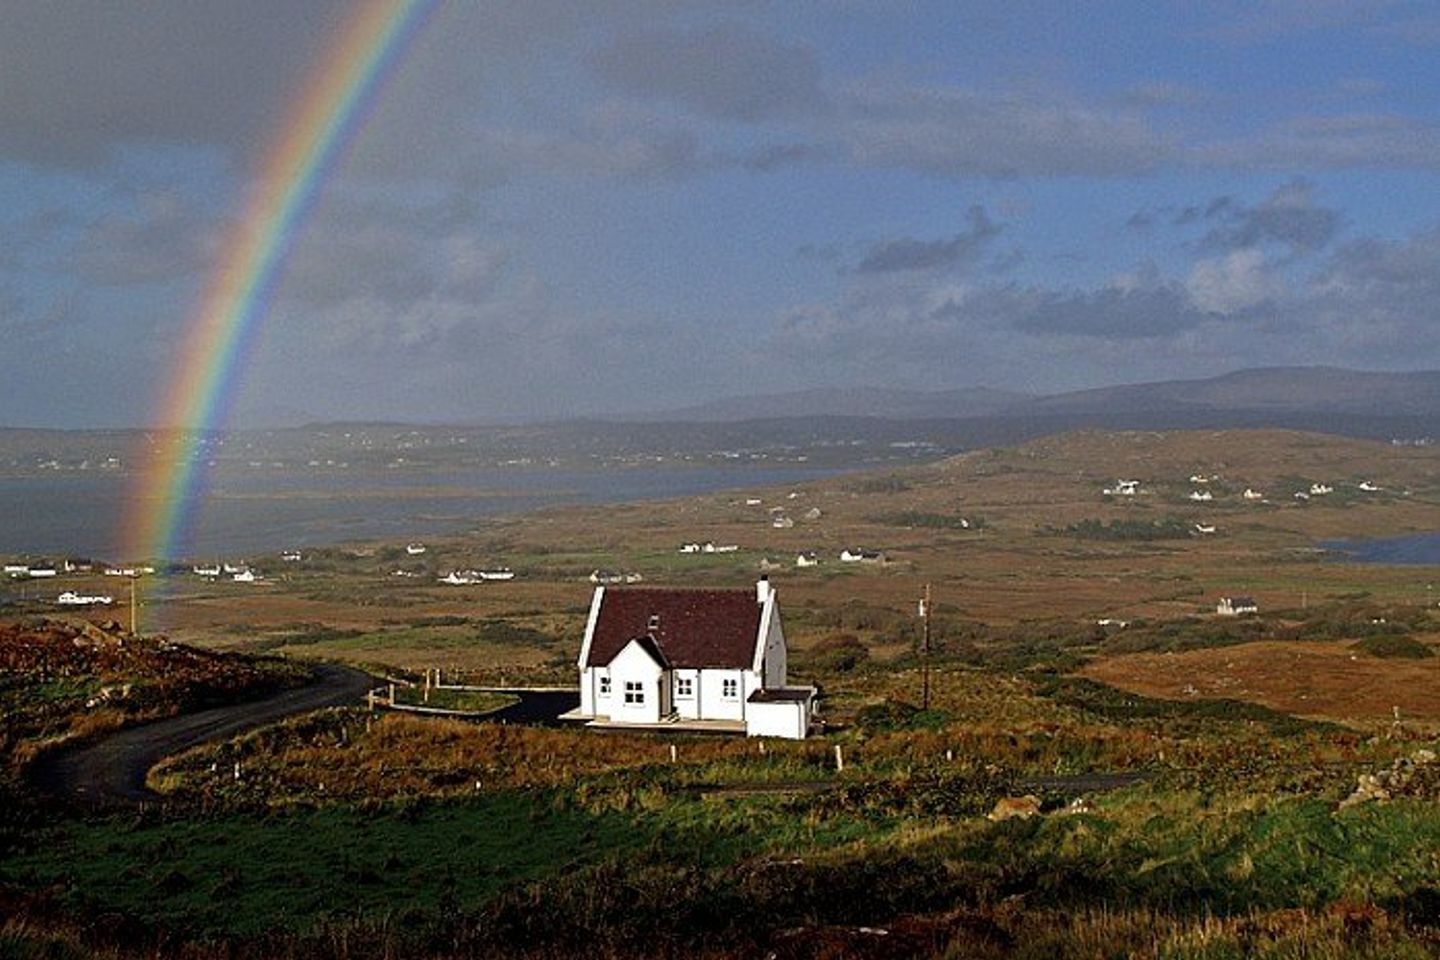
[(1392, 647)]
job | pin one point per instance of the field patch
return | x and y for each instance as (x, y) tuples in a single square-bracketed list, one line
[(1330, 680)]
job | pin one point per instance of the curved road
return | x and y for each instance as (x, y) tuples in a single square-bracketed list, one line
[(111, 772)]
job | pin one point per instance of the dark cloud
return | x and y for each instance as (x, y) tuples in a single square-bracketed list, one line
[(164, 237), (729, 72), (1289, 217), (1111, 313), (911, 254), (78, 78)]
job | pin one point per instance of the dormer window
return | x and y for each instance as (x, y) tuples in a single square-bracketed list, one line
[(654, 622)]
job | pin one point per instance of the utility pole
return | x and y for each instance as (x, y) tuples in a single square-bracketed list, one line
[(925, 648)]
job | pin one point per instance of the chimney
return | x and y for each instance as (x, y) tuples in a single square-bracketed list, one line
[(762, 589)]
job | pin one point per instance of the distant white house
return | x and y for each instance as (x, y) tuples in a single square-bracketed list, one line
[(246, 576), (292, 556), (1320, 489), (1369, 487), (708, 546), (782, 523), (206, 571), (500, 573), (1122, 488), (1201, 496), (461, 577), (41, 571), (414, 549), (17, 569), (72, 599), (655, 657), (1235, 606), (807, 559), (849, 555), (612, 577), (1252, 494), (1204, 529)]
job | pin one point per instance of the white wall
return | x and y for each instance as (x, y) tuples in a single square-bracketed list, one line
[(713, 705), (633, 665), (592, 702), (789, 720)]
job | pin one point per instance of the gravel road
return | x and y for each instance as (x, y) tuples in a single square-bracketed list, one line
[(111, 771)]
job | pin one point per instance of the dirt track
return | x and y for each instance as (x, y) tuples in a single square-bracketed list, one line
[(111, 772)]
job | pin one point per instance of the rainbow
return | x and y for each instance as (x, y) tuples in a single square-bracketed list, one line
[(172, 482)]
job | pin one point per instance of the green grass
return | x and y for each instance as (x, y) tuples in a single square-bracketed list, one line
[(246, 874), (472, 701)]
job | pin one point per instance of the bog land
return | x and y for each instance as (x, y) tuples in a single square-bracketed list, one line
[(1277, 792)]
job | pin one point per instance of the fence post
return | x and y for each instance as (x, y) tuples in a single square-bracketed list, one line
[(392, 694), (839, 759), (674, 753)]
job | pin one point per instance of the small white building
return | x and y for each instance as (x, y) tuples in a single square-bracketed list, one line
[(1236, 606), (807, 559), (660, 656), (849, 555)]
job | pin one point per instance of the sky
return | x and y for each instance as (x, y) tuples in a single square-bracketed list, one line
[(565, 208)]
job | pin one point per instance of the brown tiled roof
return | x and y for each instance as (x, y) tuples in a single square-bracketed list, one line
[(695, 628)]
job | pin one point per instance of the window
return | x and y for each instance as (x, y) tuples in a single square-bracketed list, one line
[(604, 686), (634, 693), (684, 686), (730, 689)]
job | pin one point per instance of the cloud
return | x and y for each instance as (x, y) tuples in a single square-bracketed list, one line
[(948, 131), (1238, 281), (80, 78), (1333, 141), (1267, 20), (163, 237), (911, 254), (1157, 94), (728, 72), (1289, 217), (1116, 312), (608, 146)]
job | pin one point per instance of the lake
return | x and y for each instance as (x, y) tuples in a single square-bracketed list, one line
[(1417, 549), (249, 513)]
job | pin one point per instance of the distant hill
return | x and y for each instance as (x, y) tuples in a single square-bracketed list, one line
[(850, 402), (1291, 390), (1276, 389)]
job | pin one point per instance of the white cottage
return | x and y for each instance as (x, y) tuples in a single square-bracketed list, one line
[(660, 656)]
